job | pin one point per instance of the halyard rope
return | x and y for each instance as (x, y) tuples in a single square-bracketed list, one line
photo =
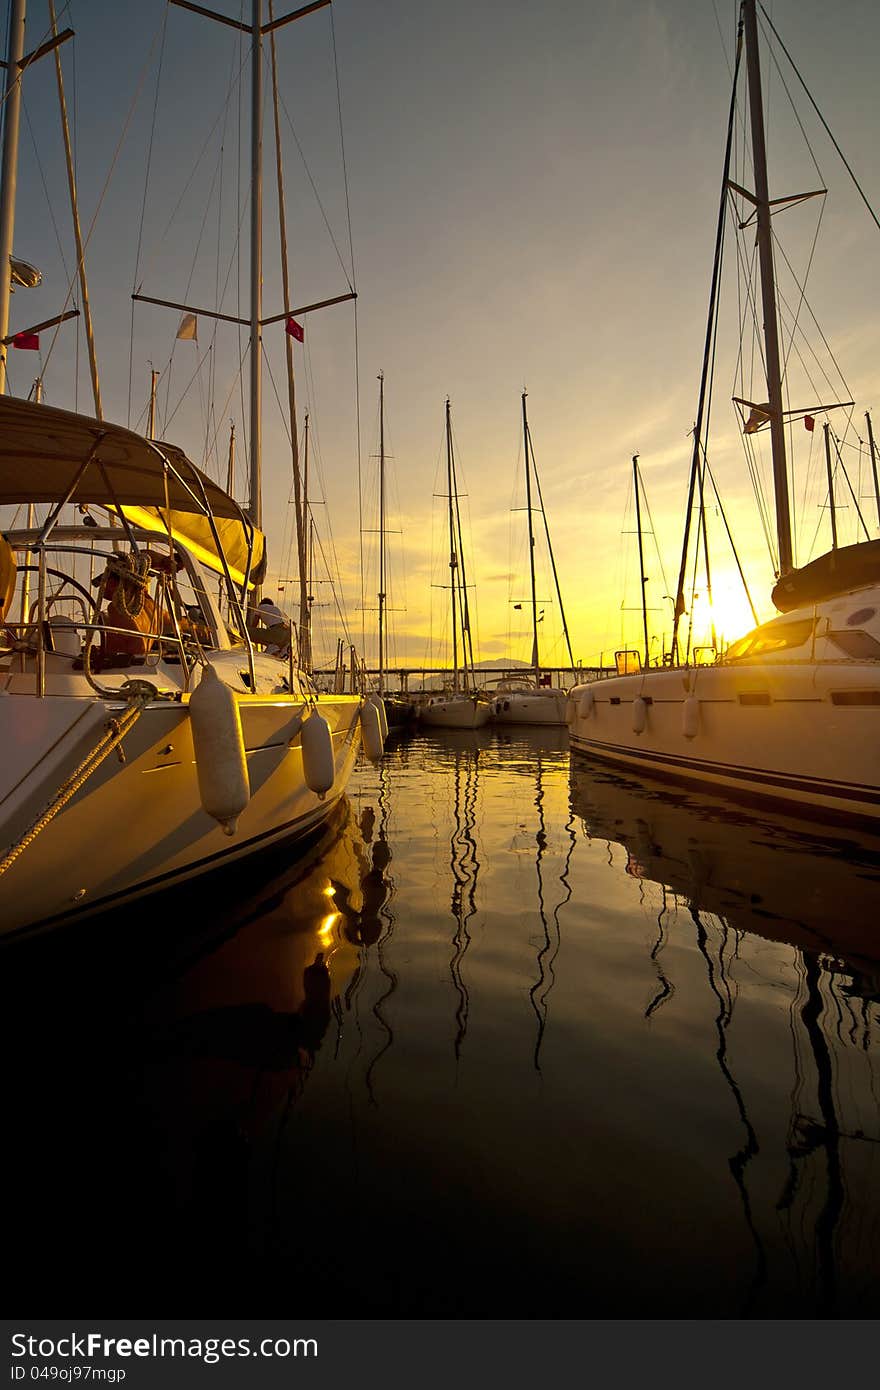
[(116, 729)]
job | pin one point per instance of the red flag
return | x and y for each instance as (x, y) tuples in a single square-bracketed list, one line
[(294, 329), (809, 423), (29, 341)]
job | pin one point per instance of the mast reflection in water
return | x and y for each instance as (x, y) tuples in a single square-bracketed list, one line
[(519, 1038)]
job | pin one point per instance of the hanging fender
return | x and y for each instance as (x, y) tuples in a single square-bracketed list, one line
[(377, 700), (690, 716), (316, 742), (371, 732), (640, 715), (218, 744), (586, 704)]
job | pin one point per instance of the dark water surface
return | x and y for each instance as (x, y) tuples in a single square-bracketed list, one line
[(517, 1038)]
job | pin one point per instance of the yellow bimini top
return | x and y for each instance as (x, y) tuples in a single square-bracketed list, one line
[(56, 456)]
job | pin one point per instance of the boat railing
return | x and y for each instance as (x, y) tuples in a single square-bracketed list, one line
[(64, 627)]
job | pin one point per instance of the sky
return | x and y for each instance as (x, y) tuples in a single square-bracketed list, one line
[(524, 197)]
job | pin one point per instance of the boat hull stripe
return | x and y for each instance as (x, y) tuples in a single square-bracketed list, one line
[(816, 786)]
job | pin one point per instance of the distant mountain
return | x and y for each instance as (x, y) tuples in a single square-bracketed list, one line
[(506, 663)]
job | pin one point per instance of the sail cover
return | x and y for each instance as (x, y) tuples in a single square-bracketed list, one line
[(50, 455)]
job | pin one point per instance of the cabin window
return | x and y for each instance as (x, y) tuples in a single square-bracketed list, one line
[(628, 663), (856, 643), (772, 638), (754, 697), (855, 697)]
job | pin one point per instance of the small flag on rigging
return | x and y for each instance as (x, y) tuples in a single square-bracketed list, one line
[(29, 341), (517, 605), (759, 416), (294, 329), (809, 423), (188, 328)]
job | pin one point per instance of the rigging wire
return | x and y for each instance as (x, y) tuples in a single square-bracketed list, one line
[(144, 205), (353, 287), (825, 125)]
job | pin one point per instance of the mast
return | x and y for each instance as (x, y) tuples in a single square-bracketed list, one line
[(768, 291), (9, 175), (381, 532), (255, 506), (550, 553), (305, 602), (299, 513), (230, 461), (531, 538), (641, 557), (453, 559), (151, 423), (77, 233), (873, 463), (830, 472)]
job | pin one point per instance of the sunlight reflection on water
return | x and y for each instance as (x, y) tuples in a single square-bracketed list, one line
[(519, 1037)]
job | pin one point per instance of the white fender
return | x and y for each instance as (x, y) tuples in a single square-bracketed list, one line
[(371, 731), (640, 715), (586, 704), (690, 717), (319, 765), (218, 744), (383, 716)]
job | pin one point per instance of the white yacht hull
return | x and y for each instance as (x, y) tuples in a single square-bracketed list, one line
[(138, 826), (529, 707), (802, 732), (457, 712)]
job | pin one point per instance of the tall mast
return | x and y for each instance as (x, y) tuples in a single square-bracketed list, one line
[(453, 558), (230, 460), (641, 557), (768, 291), (830, 475), (873, 463), (77, 233), (151, 422), (299, 514), (255, 506), (381, 531), (305, 602), (9, 175), (531, 537)]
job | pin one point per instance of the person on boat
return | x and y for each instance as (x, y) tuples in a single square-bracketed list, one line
[(270, 628)]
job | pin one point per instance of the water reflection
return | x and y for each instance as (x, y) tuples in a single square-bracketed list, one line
[(740, 877), (516, 1038), (777, 876), (173, 1041)]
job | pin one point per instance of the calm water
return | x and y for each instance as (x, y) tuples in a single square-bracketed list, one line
[(518, 1038)]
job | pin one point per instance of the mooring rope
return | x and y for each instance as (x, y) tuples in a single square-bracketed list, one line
[(115, 731)]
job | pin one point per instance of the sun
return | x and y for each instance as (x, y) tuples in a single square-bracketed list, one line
[(729, 613)]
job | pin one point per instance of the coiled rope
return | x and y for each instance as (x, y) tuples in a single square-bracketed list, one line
[(133, 574), (140, 695)]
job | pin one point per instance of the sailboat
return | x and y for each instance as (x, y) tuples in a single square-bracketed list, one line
[(400, 710), (790, 711), (461, 705), (528, 697), (149, 733)]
